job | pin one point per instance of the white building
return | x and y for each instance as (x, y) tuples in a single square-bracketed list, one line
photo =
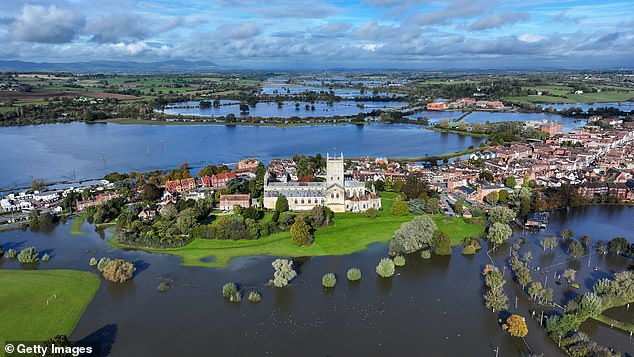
[(336, 193)]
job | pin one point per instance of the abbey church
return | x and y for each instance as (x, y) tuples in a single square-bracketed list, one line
[(337, 193)]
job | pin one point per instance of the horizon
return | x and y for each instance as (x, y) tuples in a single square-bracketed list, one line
[(325, 35)]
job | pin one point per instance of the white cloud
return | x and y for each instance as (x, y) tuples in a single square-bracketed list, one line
[(530, 38), (46, 24)]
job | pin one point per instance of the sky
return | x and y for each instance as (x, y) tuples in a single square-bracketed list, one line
[(325, 34)]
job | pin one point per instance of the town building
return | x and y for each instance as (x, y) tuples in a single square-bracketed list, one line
[(337, 193), (228, 201)]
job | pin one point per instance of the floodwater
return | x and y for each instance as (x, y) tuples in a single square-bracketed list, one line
[(77, 151), (287, 110), (431, 308)]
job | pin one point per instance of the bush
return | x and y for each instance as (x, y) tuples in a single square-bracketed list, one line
[(93, 262), (468, 250), (354, 274), (237, 297), (371, 213), (102, 263), (425, 254), (385, 268), (229, 289), (301, 232), (29, 255), (329, 280), (118, 271), (46, 257), (163, 287), (399, 260), (255, 296), (11, 254)]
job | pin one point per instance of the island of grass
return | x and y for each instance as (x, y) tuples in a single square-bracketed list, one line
[(75, 227), (351, 232), (23, 302)]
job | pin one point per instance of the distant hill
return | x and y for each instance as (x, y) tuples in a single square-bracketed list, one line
[(110, 66)]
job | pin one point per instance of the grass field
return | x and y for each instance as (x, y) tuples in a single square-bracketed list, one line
[(351, 232), (75, 227), (24, 313)]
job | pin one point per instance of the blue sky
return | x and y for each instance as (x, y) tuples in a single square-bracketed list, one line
[(279, 34)]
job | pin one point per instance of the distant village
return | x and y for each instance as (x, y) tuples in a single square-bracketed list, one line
[(597, 162)]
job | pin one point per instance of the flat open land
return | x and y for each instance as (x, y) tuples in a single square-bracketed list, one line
[(24, 314), (41, 95)]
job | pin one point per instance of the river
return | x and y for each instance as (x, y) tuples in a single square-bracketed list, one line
[(431, 308), (75, 151)]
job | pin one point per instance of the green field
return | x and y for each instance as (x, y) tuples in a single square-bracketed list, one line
[(24, 313), (351, 232), (75, 227)]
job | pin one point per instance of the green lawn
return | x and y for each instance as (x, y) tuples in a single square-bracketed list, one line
[(75, 227), (24, 314), (457, 228), (351, 232)]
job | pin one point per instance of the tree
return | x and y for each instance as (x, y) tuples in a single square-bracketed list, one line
[(442, 243), (281, 205), (486, 175), (151, 193), (516, 326), (413, 235), (496, 300), (38, 184), (244, 108), (523, 276), (399, 208), (321, 216), (501, 214), (301, 232), (118, 271), (499, 233), (618, 245), (284, 272), (535, 289), (548, 242), (585, 240), (503, 196), (510, 182), (492, 198), (169, 212), (415, 186), (569, 274), (575, 248), (432, 206)]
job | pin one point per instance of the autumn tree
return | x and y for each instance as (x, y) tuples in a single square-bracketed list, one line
[(301, 232), (516, 326)]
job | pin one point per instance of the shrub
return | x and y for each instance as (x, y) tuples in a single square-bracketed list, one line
[(93, 262), (29, 255), (354, 274), (229, 289), (468, 250), (102, 263), (255, 296), (237, 297), (163, 287), (399, 260), (372, 213), (46, 257), (118, 271), (329, 280), (283, 272), (11, 254), (425, 254), (385, 268), (301, 233)]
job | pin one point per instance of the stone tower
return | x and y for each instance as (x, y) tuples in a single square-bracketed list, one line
[(335, 190)]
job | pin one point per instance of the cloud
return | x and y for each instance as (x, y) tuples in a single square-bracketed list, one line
[(117, 27), (46, 24), (530, 38), (498, 20), (454, 10), (335, 28), (238, 32)]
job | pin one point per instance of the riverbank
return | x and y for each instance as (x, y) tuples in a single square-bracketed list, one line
[(434, 158), (459, 132), (43, 303)]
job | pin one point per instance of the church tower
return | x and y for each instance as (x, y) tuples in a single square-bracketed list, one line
[(335, 190)]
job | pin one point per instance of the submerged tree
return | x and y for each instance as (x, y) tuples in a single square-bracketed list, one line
[(413, 235)]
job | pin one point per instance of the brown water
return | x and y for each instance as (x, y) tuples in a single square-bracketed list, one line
[(430, 308)]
